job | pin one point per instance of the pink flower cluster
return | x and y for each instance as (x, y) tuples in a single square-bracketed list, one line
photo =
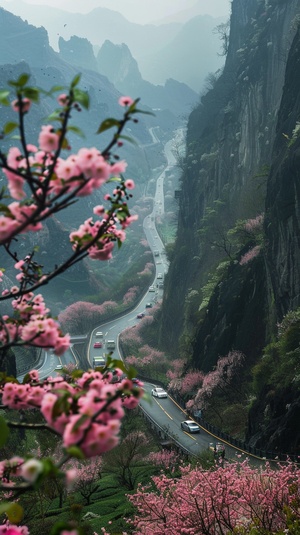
[(11, 529), (51, 176), (32, 324), (81, 173), (256, 224), (229, 499), (89, 230), (250, 255), (86, 412)]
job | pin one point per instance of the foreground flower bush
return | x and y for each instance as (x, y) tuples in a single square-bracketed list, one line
[(234, 499), (85, 409)]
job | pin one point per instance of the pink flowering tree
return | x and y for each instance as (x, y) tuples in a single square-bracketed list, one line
[(217, 381), (84, 409), (149, 362), (81, 316), (235, 498), (167, 460), (175, 373), (87, 476), (130, 295)]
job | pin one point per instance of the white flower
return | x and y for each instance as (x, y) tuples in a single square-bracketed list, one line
[(31, 469)]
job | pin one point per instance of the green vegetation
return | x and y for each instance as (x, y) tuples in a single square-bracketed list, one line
[(279, 367)]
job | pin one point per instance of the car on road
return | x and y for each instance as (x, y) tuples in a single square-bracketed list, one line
[(140, 315), (159, 276), (158, 392), (151, 289), (99, 334), (190, 426), (59, 367), (99, 362), (149, 305), (98, 344)]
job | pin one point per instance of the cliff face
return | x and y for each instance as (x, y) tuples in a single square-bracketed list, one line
[(238, 165), (283, 193)]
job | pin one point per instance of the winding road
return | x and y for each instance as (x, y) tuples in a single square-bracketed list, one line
[(166, 413)]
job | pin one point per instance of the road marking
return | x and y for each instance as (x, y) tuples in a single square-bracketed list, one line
[(188, 434), (166, 413)]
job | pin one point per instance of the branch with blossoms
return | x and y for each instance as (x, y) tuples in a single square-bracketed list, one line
[(41, 183), (84, 408)]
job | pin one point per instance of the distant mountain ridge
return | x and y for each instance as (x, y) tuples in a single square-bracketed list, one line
[(151, 45)]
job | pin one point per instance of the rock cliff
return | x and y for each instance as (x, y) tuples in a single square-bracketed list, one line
[(242, 160)]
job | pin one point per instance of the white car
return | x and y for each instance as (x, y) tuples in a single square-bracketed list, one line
[(190, 426), (59, 367), (159, 392), (151, 289)]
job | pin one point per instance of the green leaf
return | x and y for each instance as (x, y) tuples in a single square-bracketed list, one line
[(4, 431), (60, 406), (9, 127), (14, 513), (32, 93), (144, 112), (76, 452), (54, 116), (114, 363), (82, 98), (3, 97), (55, 88), (114, 179), (108, 123), (23, 79), (131, 372), (76, 130), (26, 379), (133, 105), (75, 80), (3, 507), (65, 143)]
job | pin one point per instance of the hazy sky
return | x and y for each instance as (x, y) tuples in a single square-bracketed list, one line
[(140, 11)]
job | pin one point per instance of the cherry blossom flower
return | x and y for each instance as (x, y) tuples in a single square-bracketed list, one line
[(126, 101), (48, 139), (24, 104)]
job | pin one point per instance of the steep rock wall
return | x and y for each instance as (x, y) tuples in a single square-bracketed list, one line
[(229, 153)]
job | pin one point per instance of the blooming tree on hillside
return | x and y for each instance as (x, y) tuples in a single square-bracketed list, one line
[(87, 475), (81, 316), (235, 498), (217, 380), (83, 408)]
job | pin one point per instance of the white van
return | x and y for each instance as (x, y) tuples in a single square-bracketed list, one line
[(99, 334), (99, 362)]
